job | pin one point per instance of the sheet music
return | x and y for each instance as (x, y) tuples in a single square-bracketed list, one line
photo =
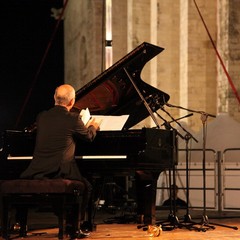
[(111, 123), (85, 115)]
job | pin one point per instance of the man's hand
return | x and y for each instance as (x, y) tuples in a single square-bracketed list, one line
[(93, 122)]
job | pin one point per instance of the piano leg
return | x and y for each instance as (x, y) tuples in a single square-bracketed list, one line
[(146, 186)]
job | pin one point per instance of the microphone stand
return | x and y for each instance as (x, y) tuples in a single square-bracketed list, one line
[(187, 222), (172, 221), (205, 224)]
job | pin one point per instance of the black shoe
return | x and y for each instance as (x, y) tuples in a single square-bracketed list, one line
[(86, 226), (79, 235)]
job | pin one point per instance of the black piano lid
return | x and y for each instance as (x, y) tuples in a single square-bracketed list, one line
[(112, 92)]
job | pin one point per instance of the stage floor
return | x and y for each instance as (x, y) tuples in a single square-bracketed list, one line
[(119, 226)]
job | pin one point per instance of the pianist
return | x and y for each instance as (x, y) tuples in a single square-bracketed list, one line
[(54, 150)]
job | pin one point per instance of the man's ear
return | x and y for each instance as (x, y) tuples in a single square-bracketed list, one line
[(71, 103)]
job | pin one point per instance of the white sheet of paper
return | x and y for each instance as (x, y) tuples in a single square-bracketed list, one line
[(85, 114), (111, 123)]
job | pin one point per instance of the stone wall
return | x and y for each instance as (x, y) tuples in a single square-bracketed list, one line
[(229, 48), (188, 69), (83, 41), (197, 59)]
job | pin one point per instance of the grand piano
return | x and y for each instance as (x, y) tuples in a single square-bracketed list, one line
[(117, 91)]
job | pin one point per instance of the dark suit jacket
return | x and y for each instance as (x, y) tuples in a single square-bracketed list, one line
[(55, 146)]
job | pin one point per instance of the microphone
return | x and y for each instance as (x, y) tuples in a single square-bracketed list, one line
[(168, 104), (189, 115)]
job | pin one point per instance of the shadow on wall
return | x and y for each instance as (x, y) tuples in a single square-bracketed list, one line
[(221, 133)]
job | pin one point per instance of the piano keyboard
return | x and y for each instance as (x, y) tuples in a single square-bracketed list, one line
[(77, 157)]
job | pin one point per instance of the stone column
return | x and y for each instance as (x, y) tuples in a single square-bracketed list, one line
[(83, 41), (228, 46), (197, 59)]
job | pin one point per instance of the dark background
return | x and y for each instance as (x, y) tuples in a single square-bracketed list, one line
[(26, 28)]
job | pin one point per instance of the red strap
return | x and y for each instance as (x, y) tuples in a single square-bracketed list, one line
[(219, 57)]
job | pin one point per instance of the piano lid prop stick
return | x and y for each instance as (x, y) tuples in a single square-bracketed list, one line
[(142, 98)]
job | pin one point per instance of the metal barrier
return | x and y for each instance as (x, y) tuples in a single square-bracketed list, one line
[(195, 177), (222, 178), (230, 179)]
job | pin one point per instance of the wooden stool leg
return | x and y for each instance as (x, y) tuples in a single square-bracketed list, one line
[(22, 213), (5, 217), (68, 217), (61, 221)]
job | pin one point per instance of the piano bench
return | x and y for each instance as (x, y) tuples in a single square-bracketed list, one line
[(22, 193)]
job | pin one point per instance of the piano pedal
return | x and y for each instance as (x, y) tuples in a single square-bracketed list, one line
[(112, 209), (99, 204)]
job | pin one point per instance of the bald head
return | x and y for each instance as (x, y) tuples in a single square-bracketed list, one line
[(64, 95)]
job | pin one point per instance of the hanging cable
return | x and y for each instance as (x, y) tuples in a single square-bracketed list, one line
[(218, 55), (41, 64)]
